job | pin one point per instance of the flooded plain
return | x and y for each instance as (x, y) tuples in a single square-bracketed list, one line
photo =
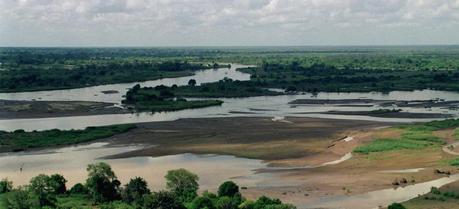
[(213, 169)]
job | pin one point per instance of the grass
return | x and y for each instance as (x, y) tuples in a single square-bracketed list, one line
[(454, 162), (417, 136), (20, 140)]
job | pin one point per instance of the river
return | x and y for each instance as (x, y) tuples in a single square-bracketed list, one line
[(71, 161)]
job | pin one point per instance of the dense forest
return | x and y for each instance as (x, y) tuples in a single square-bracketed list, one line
[(302, 68), (322, 77)]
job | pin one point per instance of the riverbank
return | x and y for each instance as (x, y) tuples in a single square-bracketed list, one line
[(14, 109)]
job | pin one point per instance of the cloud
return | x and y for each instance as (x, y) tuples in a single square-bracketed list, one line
[(218, 21)]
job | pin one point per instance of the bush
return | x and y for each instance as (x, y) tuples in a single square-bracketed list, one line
[(162, 200), (396, 206), (20, 199), (78, 189), (5, 186), (202, 202)]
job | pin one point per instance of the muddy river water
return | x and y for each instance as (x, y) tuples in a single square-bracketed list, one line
[(212, 169)]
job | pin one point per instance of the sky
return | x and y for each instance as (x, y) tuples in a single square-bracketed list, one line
[(228, 22)]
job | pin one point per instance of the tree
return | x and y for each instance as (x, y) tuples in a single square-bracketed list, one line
[(57, 184), (40, 185), (183, 183), (5, 186), (192, 82), (135, 190), (162, 200), (102, 184), (228, 188)]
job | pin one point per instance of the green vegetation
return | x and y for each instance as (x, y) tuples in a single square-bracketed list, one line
[(328, 78), (295, 68), (103, 191), (385, 111), (21, 140), (454, 162), (226, 88), (417, 136), (161, 98), (32, 69)]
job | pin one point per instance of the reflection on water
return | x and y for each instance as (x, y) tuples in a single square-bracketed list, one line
[(382, 197), (72, 161)]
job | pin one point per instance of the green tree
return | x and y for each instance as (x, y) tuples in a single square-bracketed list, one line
[(57, 183), (228, 188), (183, 183), (162, 200), (5, 186), (40, 186), (102, 184), (135, 190)]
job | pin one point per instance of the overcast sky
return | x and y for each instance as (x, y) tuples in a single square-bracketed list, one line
[(227, 22)]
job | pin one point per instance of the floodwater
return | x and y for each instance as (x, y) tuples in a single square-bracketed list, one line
[(212, 169)]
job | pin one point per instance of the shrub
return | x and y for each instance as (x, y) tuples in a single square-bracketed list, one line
[(396, 206), (162, 200), (5, 186), (78, 189)]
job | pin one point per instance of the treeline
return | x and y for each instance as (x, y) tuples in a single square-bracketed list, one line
[(323, 77), (44, 78), (103, 190)]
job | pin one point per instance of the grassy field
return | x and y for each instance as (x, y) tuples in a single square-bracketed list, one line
[(20, 140), (417, 136)]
